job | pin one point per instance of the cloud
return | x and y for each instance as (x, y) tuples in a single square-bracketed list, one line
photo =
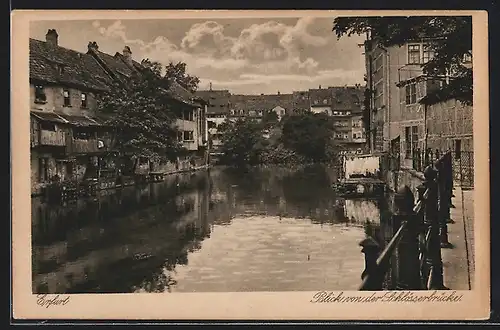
[(208, 38), (259, 55), (270, 45)]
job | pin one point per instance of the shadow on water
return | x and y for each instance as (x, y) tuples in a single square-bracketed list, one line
[(133, 239)]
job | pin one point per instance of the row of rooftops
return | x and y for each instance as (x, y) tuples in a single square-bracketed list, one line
[(337, 98), (93, 70)]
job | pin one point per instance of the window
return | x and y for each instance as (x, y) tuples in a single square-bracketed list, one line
[(413, 54), (467, 58), (82, 134), (188, 136), (408, 141), (411, 94), (47, 126), (428, 53), (67, 101), (84, 100), (411, 143), (414, 137), (43, 171), (179, 136), (40, 96), (188, 115)]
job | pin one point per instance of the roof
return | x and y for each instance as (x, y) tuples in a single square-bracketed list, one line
[(115, 63), (265, 102), (82, 121), (48, 116), (59, 65), (181, 94), (318, 96)]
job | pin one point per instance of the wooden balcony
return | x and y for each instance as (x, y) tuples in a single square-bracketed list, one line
[(52, 138), (83, 146)]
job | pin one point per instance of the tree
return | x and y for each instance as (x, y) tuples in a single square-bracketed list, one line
[(451, 40), (310, 135), (141, 116), (242, 142), (270, 119), (178, 72)]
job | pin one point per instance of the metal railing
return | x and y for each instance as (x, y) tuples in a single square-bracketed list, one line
[(462, 164), (414, 252)]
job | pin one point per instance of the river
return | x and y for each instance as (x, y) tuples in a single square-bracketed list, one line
[(222, 230)]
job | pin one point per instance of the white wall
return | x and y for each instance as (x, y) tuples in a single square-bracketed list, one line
[(361, 165)]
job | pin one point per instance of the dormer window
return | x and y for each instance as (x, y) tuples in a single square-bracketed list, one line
[(67, 100), (84, 101), (60, 68), (40, 96)]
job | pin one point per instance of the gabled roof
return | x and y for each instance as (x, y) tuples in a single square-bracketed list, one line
[(59, 65), (181, 94), (115, 64)]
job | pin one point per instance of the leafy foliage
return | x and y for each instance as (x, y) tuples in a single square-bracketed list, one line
[(142, 114), (242, 142), (178, 72), (310, 135), (451, 40)]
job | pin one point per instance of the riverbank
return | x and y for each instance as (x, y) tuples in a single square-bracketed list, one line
[(126, 181)]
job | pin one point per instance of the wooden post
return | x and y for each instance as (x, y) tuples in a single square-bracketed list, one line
[(433, 259), (371, 249), (408, 277), (444, 202)]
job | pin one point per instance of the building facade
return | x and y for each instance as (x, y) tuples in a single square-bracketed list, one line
[(69, 141), (399, 122)]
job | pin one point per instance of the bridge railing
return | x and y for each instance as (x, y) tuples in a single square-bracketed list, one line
[(412, 258)]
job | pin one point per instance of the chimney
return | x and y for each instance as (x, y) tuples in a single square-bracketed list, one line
[(51, 37), (92, 46), (127, 53), (319, 86), (278, 92), (210, 85)]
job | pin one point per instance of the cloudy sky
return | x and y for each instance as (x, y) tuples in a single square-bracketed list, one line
[(245, 55)]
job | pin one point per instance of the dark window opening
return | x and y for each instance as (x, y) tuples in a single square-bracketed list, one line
[(43, 173), (188, 136), (48, 126), (40, 96), (82, 134), (84, 100), (188, 115), (67, 100)]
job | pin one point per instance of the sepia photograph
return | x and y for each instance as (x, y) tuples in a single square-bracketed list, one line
[(323, 153)]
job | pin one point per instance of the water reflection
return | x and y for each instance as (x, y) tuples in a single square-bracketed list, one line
[(218, 230)]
